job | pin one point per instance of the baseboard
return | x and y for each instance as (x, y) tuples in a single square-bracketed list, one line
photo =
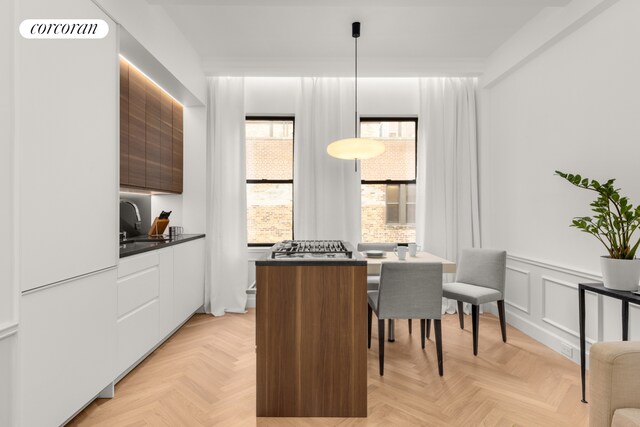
[(540, 334)]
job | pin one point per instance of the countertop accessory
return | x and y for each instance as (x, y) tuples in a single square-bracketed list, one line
[(159, 224), (375, 254)]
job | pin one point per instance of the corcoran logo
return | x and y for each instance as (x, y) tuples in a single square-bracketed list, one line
[(64, 29)]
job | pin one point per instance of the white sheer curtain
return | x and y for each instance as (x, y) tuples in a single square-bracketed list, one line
[(326, 190), (447, 182), (227, 272)]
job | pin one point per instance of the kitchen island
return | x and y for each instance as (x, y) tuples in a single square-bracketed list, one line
[(311, 331)]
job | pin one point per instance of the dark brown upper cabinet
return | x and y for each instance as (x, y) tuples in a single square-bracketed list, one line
[(151, 137)]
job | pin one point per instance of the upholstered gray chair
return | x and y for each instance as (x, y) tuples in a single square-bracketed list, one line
[(408, 291), (373, 280), (480, 279)]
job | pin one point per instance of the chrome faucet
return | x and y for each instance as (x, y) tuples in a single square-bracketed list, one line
[(135, 207)]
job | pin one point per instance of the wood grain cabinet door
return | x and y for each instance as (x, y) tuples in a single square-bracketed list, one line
[(177, 149), (152, 118), (124, 122), (137, 128), (151, 136), (166, 142)]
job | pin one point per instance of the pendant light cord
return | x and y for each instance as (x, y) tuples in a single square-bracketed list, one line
[(356, 97)]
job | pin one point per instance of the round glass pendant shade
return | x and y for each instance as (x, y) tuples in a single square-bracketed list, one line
[(355, 148)]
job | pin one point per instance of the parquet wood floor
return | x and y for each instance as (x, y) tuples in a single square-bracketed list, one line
[(205, 376)]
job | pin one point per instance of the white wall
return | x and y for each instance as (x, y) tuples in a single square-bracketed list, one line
[(157, 33), (8, 286), (574, 107)]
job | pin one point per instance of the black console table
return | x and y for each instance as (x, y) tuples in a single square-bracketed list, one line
[(625, 298)]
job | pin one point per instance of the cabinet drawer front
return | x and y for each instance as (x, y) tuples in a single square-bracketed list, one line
[(137, 334), (137, 263), (137, 289)]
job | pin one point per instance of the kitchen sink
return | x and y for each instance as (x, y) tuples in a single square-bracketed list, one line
[(144, 240)]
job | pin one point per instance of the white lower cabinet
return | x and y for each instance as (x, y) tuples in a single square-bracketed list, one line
[(157, 291), (67, 343), (138, 308), (188, 279), (79, 336)]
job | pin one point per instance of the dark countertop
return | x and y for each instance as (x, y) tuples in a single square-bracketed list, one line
[(358, 259), (138, 247)]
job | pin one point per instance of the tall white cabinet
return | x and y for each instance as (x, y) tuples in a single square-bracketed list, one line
[(67, 149), (66, 169)]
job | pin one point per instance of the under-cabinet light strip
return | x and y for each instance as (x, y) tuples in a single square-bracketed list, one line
[(150, 79)]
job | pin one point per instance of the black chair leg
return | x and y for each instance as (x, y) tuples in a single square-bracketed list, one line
[(381, 345), (369, 315), (410, 327), (428, 328), (422, 322), (461, 314), (475, 321), (438, 330), (503, 320)]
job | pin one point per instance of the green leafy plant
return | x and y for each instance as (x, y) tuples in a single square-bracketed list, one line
[(615, 220)]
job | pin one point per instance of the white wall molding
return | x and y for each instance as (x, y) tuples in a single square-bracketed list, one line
[(551, 317), (545, 30), (556, 267), (343, 67), (527, 274), (546, 281), (8, 329)]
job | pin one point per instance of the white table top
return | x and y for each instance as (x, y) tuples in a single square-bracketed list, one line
[(447, 266)]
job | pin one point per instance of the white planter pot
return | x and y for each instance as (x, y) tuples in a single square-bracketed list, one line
[(620, 274)]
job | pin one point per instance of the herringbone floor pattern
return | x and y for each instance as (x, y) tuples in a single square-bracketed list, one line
[(205, 376)]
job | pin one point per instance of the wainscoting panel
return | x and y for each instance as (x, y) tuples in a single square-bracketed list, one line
[(542, 301), (560, 308), (8, 345), (518, 289)]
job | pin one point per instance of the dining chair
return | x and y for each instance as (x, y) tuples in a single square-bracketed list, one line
[(408, 291), (480, 279), (373, 280)]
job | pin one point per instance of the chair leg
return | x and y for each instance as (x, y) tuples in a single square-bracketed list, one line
[(438, 330), (461, 314), (475, 320), (503, 320), (410, 327), (369, 315), (381, 345), (422, 322), (428, 328)]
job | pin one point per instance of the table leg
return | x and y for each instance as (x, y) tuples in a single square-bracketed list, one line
[(392, 330), (625, 321), (583, 366)]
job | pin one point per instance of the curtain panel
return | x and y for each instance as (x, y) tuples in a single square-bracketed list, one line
[(326, 190), (447, 207), (227, 272)]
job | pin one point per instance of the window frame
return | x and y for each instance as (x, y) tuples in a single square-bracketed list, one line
[(394, 181), (292, 119)]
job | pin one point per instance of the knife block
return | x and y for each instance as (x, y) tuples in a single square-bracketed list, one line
[(158, 227)]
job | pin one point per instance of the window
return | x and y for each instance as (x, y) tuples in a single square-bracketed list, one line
[(269, 151), (388, 191)]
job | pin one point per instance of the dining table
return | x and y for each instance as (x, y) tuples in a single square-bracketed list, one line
[(374, 265)]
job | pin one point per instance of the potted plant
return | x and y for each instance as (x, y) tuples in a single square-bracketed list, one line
[(614, 222)]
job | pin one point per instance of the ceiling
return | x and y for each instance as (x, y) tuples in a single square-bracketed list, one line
[(313, 37)]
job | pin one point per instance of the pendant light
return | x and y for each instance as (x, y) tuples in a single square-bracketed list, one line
[(356, 148)]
